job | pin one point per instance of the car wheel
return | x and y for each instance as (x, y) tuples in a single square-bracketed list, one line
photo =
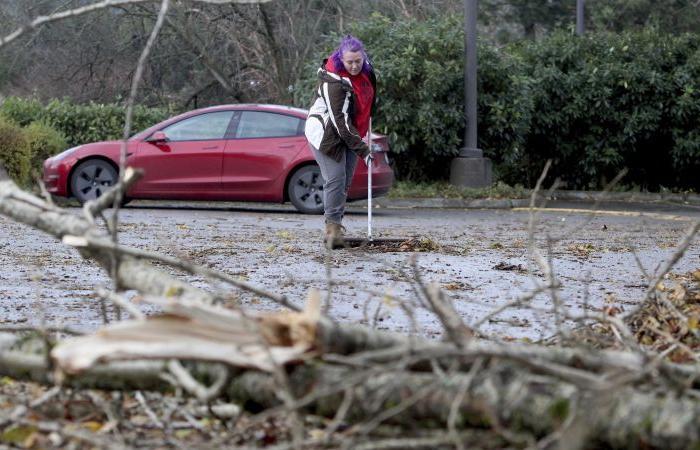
[(91, 179), (305, 190)]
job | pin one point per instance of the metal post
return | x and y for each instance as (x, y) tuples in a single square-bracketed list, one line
[(470, 73), (580, 16), (470, 168)]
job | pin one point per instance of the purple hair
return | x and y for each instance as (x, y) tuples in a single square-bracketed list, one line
[(349, 44)]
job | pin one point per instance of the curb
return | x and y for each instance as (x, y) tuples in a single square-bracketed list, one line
[(439, 203), (457, 203), (579, 196), (631, 197)]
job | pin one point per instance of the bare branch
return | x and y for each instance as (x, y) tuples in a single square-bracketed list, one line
[(43, 20)]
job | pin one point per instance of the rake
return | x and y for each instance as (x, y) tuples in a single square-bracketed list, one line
[(370, 240)]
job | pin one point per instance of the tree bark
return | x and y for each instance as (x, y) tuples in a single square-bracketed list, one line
[(504, 395)]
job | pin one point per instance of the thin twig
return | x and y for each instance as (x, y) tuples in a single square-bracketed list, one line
[(121, 302), (149, 412)]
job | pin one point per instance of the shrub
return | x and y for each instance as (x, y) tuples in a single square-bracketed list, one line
[(43, 142), (22, 111), (14, 151), (421, 94), (96, 122), (81, 124), (606, 102), (685, 113)]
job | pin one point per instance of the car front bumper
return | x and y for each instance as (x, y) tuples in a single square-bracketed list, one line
[(55, 176)]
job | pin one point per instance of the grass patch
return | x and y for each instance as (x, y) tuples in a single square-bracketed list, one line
[(443, 189)]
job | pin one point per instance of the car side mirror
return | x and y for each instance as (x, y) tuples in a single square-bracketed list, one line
[(159, 137)]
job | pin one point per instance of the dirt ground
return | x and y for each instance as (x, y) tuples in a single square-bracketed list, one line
[(479, 258)]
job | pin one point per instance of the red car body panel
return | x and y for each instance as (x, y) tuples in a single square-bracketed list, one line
[(247, 169), (255, 169), (178, 169)]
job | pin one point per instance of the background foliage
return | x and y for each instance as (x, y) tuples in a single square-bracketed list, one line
[(613, 101), (81, 123), (44, 142), (14, 151), (421, 94), (595, 105), (624, 95)]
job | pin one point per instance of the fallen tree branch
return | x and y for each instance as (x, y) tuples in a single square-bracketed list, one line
[(457, 331), (536, 404), (132, 273), (195, 269), (96, 206)]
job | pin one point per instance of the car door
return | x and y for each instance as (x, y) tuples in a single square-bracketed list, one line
[(188, 164), (259, 155)]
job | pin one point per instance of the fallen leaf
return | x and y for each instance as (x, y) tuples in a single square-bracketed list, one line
[(19, 435), (509, 267), (92, 425), (182, 434), (317, 434)]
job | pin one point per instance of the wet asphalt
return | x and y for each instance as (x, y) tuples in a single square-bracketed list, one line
[(601, 257)]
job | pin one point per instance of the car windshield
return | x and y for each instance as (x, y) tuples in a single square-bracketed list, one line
[(143, 134)]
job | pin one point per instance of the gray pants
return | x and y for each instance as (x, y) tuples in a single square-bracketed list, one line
[(337, 176)]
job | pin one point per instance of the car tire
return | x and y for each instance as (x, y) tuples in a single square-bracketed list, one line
[(91, 179), (305, 189)]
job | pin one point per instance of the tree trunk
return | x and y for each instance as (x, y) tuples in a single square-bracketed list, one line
[(504, 395)]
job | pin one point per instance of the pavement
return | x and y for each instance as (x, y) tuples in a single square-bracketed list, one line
[(602, 253)]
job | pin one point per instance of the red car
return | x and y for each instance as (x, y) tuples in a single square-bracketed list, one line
[(232, 152)]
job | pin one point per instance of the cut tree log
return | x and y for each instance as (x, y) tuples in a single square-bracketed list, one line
[(504, 394)]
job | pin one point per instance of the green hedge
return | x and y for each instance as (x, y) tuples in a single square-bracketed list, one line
[(22, 111), (420, 65), (421, 97), (608, 102), (81, 124), (595, 104), (15, 153)]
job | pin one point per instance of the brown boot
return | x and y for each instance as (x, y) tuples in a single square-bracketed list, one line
[(334, 236)]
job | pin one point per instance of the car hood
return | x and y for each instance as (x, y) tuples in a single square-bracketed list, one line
[(107, 149)]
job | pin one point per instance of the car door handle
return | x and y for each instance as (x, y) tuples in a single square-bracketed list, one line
[(286, 146), (213, 147)]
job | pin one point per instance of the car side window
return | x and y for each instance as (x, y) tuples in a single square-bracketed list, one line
[(203, 127), (258, 124)]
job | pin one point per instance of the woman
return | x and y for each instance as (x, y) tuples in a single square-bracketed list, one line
[(337, 123)]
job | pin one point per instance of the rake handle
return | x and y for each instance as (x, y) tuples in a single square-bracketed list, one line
[(369, 184)]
